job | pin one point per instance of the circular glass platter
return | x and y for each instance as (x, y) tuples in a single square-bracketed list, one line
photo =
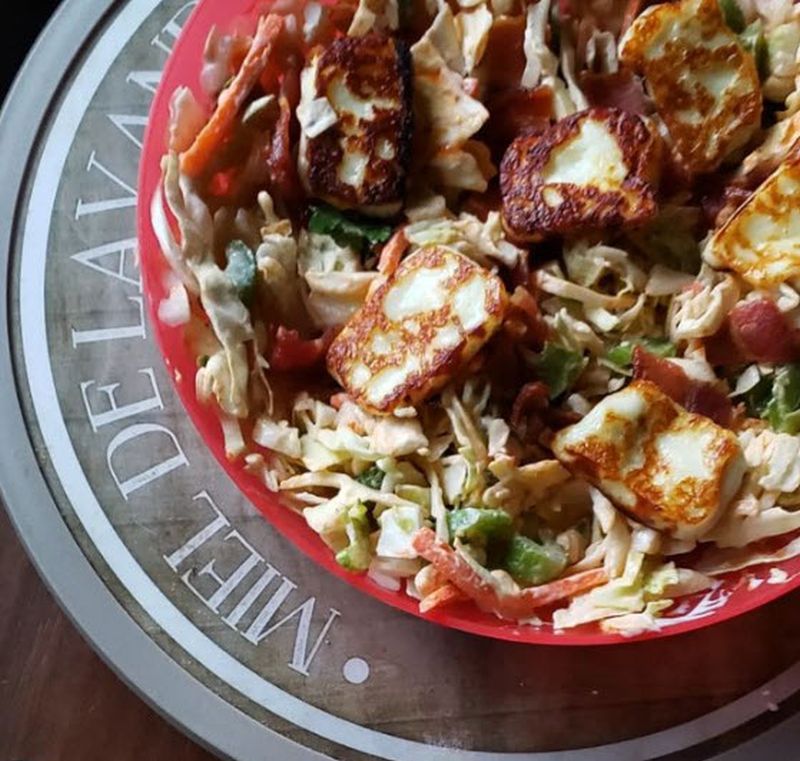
[(178, 581)]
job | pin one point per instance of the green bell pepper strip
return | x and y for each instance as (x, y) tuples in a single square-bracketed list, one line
[(478, 525), (531, 563)]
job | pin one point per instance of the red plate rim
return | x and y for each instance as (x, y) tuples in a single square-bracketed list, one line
[(183, 68)]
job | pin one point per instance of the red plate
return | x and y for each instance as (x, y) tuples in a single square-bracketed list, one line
[(739, 592)]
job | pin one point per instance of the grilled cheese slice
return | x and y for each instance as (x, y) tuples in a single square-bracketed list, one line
[(704, 84), (417, 330), (593, 170), (761, 241), (355, 119), (667, 468)]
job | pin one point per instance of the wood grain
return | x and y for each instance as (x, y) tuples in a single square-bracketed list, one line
[(58, 700)]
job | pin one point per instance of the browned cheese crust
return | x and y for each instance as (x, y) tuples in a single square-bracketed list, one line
[(659, 499), (370, 67), (704, 126), (534, 207), (417, 329)]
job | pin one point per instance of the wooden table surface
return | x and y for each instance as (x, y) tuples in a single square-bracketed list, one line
[(58, 700)]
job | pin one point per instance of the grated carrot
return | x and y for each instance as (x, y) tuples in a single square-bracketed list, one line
[(518, 605), (220, 126), (445, 595), (392, 253)]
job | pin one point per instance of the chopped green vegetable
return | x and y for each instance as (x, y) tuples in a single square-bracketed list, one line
[(734, 17), (558, 367), (372, 477), (356, 556), (758, 397), (671, 238), (356, 233), (241, 269), (531, 563), (202, 360), (479, 525), (622, 354), (405, 10), (776, 399), (754, 41), (783, 410)]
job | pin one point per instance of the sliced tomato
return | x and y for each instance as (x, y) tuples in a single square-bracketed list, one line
[(290, 351)]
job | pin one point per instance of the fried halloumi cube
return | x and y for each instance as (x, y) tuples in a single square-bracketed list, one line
[(356, 123), (761, 240), (593, 170), (704, 84), (667, 468), (417, 329)]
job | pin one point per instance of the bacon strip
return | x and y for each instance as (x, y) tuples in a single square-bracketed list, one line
[(516, 112), (532, 398), (762, 332), (220, 126), (292, 352), (517, 606), (283, 176), (524, 320), (620, 90), (755, 331), (695, 396), (504, 58)]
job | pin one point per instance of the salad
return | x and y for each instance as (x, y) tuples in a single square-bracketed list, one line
[(503, 297)]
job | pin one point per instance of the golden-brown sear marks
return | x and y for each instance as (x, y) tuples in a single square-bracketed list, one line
[(527, 212), (414, 343), (704, 126), (373, 68), (658, 499)]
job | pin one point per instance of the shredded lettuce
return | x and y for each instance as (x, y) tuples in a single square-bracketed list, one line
[(776, 399), (783, 410), (241, 269), (782, 46), (758, 395), (278, 436), (358, 234), (485, 242), (558, 367), (644, 582)]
